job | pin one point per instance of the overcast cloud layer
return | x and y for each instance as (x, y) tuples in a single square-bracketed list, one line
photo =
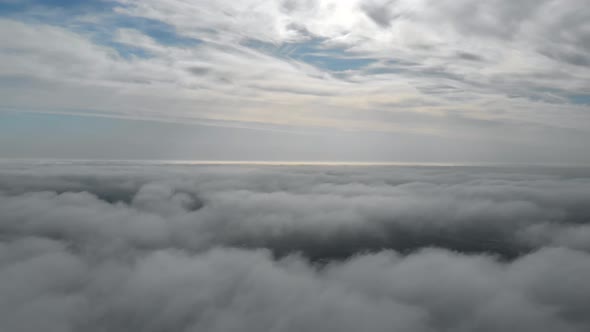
[(486, 74), (148, 247)]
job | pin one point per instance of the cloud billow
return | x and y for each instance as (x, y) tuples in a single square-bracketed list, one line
[(290, 248)]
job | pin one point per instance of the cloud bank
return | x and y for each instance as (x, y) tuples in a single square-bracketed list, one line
[(119, 247)]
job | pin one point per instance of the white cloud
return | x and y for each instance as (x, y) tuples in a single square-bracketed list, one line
[(107, 246), (469, 70)]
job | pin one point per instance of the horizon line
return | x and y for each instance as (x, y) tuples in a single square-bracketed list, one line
[(198, 162)]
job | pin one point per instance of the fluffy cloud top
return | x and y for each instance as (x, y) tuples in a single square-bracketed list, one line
[(199, 248)]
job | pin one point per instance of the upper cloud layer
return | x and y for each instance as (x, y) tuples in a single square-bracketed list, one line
[(478, 72)]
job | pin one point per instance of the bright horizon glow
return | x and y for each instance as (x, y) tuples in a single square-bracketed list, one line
[(64, 161)]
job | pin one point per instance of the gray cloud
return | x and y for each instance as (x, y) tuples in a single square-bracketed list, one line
[(130, 246), (380, 12), (347, 210)]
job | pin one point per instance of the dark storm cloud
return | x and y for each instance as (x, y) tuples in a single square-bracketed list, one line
[(144, 247)]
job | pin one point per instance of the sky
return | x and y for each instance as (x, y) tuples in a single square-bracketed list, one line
[(326, 80)]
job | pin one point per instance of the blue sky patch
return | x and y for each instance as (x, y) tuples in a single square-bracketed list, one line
[(69, 6), (336, 64), (315, 53), (163, 33), (580, 99), (65, 13)]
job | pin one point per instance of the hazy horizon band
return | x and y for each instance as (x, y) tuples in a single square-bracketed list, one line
[(281, 162)]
